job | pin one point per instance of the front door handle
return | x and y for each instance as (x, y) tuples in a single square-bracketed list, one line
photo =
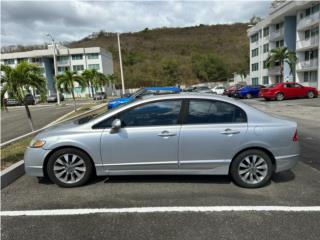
[(229, 131), (166, 134)]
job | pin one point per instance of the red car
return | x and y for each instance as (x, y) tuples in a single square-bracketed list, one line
[(287, 90), (232, 90)]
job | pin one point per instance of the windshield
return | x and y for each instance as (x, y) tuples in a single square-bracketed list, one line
[(138, 93)]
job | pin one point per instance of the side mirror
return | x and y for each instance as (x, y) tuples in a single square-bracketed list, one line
[(115, 125)]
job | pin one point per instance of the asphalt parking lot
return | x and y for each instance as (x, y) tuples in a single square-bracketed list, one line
[(299, 187)]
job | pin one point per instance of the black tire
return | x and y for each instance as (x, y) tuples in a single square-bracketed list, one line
[(267, 99), (249, 96), (235, 168), (310, 94), (279, 96), (87, 164)]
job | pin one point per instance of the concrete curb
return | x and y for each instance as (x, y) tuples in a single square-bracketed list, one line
[(12, 173)]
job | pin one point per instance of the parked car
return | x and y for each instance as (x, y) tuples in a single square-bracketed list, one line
[(249, 91), (167, 134), (218, 90), (199, 89), (13, 102), (232, 90), (29, 99), (100, 96), (141, 93), (54, 98), (287, 90)]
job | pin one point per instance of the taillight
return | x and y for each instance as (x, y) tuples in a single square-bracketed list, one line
[(295, 136)]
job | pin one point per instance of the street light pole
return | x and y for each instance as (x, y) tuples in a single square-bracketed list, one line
[(55, 67), (120, 60)]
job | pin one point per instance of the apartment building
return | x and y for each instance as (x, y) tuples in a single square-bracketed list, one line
[(75, 59), (295, 25)]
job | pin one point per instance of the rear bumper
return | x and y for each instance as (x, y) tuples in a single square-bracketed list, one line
[(286, 162)]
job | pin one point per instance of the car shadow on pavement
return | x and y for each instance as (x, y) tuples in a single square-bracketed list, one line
[(163, 179), (283, 177)]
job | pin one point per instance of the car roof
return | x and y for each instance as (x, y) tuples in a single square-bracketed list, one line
[(162, 88)]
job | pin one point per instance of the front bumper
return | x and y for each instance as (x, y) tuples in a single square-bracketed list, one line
[(33, 161)]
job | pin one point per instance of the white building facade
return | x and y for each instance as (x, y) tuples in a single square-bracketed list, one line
[(74, 59), (291, 24)]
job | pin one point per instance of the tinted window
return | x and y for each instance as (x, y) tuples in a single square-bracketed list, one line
[(150, 114), (201, 111)]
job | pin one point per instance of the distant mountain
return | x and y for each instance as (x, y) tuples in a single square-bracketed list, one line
[(176, 55)]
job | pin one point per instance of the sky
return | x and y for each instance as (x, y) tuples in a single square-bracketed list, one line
[(27, 22)]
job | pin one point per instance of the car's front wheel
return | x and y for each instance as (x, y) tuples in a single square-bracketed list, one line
[(249, 96), (251, 169), (69, 167), (310, 94), (279, 96)]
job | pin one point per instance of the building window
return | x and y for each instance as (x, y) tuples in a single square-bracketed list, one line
[(307, 34), (315, 9), (265, 64), (278, 79), (265, 80), (260, 33), (77, 68), (19, 60), (266, 47), (279, 26), (312, 54), (266, 32), (255, 38), (310, 76), (36, 60), (62, 69), (255, 52), (255, 81), (63, 59), (92, 55), (255, 67), (314, 32), (77, 57), (94, 66), (279, 43), (8, 61)]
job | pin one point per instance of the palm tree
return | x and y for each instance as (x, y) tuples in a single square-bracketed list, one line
[(94, 79), (66, 82), (280, 56), (88, 76), (18, 81)]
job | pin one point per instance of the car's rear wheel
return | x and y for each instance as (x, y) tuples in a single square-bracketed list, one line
[(279, 96), (249, 96), (251, 169), (310, 94), (69, 167)]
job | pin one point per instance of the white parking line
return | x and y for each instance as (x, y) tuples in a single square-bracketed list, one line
[(188, 209)]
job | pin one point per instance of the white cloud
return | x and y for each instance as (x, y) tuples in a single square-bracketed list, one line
[(26, 22)]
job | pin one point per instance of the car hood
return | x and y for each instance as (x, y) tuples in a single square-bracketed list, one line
[(58, 129)]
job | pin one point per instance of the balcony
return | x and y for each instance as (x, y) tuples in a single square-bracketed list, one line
[(311, 64), (308, 43), (308, 21), (277, 34), (272, 71)]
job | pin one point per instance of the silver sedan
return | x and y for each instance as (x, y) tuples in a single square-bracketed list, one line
[(171, 134)]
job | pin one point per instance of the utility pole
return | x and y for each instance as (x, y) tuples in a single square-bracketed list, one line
[(55, 67), (120, 60)]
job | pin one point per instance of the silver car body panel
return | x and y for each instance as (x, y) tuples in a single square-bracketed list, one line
[(192, 149)]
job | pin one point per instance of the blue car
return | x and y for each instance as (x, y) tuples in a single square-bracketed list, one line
[(141, 93), (249, 91)]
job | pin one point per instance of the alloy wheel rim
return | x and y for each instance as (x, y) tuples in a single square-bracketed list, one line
[(310, 94), (253, 169), (69, 168), (280, 96)]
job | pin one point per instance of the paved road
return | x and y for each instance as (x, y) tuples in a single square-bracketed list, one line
[(299, 187), (14, 123)]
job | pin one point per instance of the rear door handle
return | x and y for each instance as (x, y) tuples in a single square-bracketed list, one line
[(229, 131), (166, 134)]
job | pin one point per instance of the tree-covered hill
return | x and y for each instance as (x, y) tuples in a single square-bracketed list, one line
[(167, 56)]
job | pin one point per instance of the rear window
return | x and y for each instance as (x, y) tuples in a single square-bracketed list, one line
[(214, 112)]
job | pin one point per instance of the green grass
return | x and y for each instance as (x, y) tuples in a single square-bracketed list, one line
[(13, 153)]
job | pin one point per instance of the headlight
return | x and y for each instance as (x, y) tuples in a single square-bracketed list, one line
[(35, 143)]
